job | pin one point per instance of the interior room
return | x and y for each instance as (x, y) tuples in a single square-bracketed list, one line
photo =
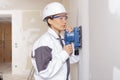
[(21, 25)]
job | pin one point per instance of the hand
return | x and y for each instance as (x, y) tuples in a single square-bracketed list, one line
[(68, 48), (69, 28)]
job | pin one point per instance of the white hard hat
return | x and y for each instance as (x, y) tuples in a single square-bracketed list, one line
[(52, 9)]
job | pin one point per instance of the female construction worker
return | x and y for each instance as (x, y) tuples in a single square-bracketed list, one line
[(50, 57)]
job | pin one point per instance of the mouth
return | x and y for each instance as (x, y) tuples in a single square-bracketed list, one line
[(64, 26)]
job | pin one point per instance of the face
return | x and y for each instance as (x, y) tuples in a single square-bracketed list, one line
[(58, 23)]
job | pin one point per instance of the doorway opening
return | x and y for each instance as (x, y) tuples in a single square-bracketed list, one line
[(5, 43)]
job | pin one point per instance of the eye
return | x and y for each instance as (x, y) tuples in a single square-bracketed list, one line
[(66, 17), (61, 18)]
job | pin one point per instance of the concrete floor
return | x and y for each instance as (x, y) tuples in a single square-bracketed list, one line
[(6, 71)]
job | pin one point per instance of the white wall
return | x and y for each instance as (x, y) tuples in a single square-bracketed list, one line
[(104, 40), (84, 57), (79, 14)]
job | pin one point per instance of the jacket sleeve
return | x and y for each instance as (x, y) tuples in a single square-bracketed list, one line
[(48, 66), (42, 57), (74, 58)]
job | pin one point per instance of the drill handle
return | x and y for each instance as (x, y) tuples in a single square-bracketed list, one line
[(76, 52)]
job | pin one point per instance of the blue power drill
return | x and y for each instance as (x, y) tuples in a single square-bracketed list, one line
[(74, 37)]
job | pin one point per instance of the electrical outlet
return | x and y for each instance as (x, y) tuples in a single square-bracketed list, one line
[(16, 66)]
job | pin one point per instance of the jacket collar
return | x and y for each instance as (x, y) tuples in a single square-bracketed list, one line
[(53, 33)]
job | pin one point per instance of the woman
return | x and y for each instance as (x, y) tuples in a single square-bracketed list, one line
[(50, 57)]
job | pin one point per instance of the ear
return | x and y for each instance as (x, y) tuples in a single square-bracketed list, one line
[(50, 21)]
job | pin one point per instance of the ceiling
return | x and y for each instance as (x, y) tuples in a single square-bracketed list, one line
[(22, 5)]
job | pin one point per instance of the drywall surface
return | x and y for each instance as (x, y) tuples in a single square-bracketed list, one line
[(104, 40)]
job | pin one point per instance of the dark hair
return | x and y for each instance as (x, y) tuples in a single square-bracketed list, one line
[(49, 17)]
